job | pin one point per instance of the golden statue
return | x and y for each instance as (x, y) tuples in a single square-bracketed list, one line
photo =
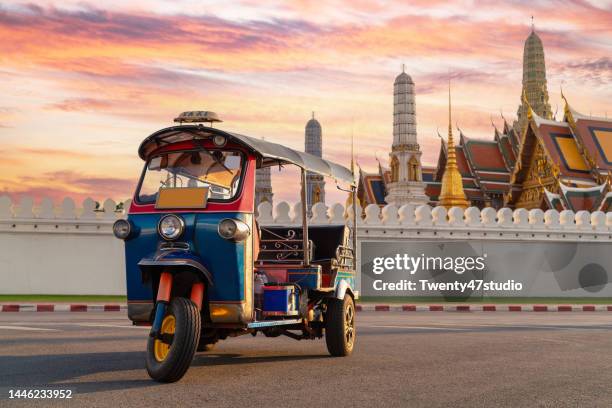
[(413, 166), (316, 196)]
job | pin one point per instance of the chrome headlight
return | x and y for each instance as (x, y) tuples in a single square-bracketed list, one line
[(233, 230), (122, 229), (171, 227)]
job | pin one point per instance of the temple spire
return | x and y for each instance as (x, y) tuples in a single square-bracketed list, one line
[(406, 185), (534, 89), (451, 193), (313, 144)]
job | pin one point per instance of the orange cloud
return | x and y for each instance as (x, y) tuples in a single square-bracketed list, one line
[(100, 79)]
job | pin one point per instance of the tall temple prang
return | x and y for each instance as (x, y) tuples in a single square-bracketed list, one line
[(315, 185), (534, 82), (406, 185)]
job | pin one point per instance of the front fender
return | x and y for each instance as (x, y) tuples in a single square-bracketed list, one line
[(174, 260), (342, 289)]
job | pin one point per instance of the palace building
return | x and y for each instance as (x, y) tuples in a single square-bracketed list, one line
[(537, 162), (563, 164)]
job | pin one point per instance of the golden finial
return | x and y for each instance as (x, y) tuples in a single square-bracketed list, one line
[(450, 129), (452, 156), (352, 147), (451, 192), (569, 117)]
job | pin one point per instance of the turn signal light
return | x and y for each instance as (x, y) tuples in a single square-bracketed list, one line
[(233, 230), (122, 229)]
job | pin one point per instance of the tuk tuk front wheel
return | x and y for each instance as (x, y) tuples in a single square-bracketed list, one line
[(340, 326), (168, 358)]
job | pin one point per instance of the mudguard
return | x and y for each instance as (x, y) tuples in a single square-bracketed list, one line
[(342, 288), (173, 260)]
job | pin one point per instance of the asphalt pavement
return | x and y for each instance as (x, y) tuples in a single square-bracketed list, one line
[(400, 360)]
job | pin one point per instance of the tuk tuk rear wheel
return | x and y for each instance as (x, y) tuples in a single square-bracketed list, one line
[(169, 362), (340, 326)]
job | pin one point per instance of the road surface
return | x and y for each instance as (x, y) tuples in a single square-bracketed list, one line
[(401, 360)]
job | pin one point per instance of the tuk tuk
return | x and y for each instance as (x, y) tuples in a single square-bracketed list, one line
[(200, 269)]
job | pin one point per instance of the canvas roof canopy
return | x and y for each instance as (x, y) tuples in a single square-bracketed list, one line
[(271, 153)]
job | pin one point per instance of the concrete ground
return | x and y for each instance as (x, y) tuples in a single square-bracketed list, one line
[(400, 360)]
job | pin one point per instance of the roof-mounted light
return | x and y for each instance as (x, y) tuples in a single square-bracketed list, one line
[(197, 117), (219, 140)]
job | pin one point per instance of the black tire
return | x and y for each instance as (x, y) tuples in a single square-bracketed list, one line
[(340, 333), (176, 362)]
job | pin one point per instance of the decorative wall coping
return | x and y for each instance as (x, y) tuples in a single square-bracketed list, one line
[(389, 222), (64, 217), (424, 222)]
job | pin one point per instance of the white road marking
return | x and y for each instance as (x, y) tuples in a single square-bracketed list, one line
[(111, 325), (24, 328), (416, 327)]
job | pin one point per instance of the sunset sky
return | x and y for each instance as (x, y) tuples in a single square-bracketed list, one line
[(83, 82)]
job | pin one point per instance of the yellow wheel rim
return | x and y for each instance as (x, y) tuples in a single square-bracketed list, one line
[(160, 348)]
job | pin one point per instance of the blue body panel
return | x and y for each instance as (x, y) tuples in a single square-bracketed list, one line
[(280, 300), (305, 278), (222, 258)]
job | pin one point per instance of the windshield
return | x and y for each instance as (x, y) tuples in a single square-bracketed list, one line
[(216, 170)]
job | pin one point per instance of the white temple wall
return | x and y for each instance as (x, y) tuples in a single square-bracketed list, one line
[(68, 250)]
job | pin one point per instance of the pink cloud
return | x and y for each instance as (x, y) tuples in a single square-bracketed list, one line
[(131, 71)]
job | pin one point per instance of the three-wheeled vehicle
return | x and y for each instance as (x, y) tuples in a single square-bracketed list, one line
[(200, 269)]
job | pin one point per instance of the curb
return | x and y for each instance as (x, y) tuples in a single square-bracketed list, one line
[(62, 308), (79, 307), (484, 308)]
